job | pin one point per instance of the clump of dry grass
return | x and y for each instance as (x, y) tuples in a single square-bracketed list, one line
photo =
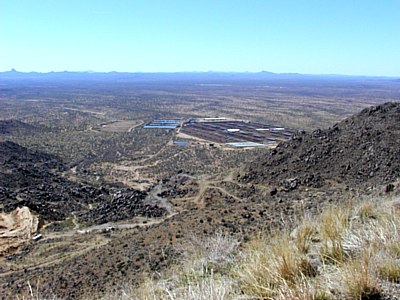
[(367, 210), (304, 235), (389, 269), (358, 279), (206, 286), (216, 251), (334, 225), (393, 247)]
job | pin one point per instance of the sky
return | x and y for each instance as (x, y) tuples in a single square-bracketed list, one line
[(284, 36)]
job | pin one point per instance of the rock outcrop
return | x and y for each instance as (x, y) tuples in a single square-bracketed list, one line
[(16, 228)]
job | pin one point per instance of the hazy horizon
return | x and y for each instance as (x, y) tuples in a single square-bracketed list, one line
[(203, 73), (305, 37)]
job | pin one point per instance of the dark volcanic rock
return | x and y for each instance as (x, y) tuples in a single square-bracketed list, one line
[(363, 150), (26, 180), (13, 126), (32, 179), (122, 206), (21, 167)]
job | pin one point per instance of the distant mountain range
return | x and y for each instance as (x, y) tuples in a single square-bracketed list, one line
[(173, 76)]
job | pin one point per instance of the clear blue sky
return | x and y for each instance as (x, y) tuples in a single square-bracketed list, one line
[(306, 36)]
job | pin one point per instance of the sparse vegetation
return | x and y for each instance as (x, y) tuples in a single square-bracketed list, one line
[(281, 265), (163, 195), (333, 226), (305, 234)]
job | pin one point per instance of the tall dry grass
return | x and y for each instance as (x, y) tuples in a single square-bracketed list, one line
[(345, 253)]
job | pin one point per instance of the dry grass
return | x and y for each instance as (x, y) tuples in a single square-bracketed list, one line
[(389, 269), (345, 253), (200, 275), (351, 253), (177, 287), (272, 267), (334, 225), (218, 250), (304, 235), (367, 210), (359, 281)]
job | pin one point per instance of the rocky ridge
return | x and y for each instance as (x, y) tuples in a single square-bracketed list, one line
[(361, 151)]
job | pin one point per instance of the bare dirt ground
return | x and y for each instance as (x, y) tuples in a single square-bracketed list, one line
[(85, 111), (120, 126), (56, 248)]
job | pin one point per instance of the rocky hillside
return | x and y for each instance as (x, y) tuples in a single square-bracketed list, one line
[(361, 151), (21, 167), (14, 126), (32, 179)]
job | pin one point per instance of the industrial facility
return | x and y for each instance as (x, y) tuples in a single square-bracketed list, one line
[(235, 133), (163, 124)]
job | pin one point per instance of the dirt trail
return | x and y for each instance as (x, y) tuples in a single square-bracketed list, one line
[(144, 223), (206, 183), (226, 192), (75, 221), (99, 242), (203, 186)]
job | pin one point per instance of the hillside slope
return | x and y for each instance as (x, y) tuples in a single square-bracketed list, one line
[(32, 179), (361, 151)]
